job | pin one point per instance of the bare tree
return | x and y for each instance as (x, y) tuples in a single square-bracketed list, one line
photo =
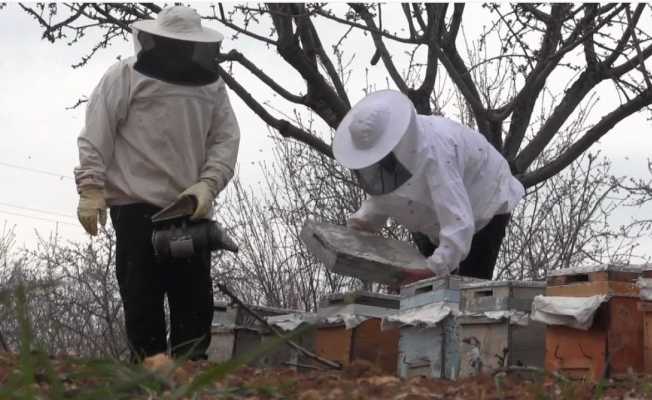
[(567, 221), (526, 45), (72, 298), (502, 74), (273, 267)]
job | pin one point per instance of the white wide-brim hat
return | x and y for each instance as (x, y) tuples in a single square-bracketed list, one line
[(181, 23), (373, 128)]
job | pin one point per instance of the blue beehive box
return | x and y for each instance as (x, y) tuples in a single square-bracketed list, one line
[(429, 349)]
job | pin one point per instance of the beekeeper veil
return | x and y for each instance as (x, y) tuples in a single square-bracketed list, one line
[(176, 48), (371, 140)]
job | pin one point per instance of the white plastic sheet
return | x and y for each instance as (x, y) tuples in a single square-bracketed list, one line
[(426, 316), (289, 322), (514, 316), (645, 286), (574, 312)]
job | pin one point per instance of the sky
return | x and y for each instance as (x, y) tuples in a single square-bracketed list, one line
[(38, 147)]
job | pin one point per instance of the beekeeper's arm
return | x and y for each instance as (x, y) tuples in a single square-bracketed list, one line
[(453, 209), (106, 108), (222, 146), (368, 217)]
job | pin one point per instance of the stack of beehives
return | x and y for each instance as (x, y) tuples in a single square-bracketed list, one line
[(349, 328), (236, 333), (456, 326), (595, 325)]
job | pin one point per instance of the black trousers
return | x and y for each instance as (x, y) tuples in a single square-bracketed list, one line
[(144, 281), (485, 246)]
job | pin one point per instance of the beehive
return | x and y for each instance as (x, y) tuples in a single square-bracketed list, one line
[(251, 334), (612, 345), (222, 333), (424, 349), (494, 328), (645, 286), (363, 341)]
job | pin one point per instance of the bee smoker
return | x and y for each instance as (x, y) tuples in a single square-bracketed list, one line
[(175, 236)]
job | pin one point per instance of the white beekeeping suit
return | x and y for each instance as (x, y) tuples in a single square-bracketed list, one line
[(159, 124), (442, 179)]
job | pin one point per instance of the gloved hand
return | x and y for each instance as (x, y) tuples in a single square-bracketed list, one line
[(204, 196), (360, 225), (438, 266), (91, 208)]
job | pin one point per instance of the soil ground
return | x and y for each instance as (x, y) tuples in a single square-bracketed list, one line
[(71, 378)]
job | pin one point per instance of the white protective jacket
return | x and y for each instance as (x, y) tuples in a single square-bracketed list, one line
[(146, 140), (459, 182)]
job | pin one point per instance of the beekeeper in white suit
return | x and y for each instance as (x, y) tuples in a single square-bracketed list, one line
[(159, 126), (432, 175)]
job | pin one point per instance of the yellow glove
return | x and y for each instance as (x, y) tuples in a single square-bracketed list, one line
[(91, 206), (204, 196)]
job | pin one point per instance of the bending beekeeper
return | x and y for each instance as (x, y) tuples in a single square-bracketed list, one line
[(159, 126), (432, 175)]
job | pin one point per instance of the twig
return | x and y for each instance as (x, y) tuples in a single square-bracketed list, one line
[(515, 368), (3, 343), (307, 353), (299, 365)]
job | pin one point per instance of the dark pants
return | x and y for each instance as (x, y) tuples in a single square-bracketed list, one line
[(144, 281), (485, 246)]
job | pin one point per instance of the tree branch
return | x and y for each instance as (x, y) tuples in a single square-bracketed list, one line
[(523, 104), (637, 45), (416, 7), (380, 46), (456, 22), (236, 300), (538, 14), (222, 19), (331, 16), (573, 97), (234, 55), (326, 61), (436, 14), (591, 136), (320, 97), (620, 46), (408, 17), (51, 28), (285, 128)]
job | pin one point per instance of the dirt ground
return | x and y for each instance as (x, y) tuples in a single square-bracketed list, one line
[(70, 378)]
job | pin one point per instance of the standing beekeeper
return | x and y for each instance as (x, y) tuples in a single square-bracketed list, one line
[(432, 175), (159, 126)]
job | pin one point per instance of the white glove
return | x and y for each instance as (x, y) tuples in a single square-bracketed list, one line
[(204, 196), (91, 209), (438, 266)]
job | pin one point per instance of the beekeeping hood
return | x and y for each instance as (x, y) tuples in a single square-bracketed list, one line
[(374, 140), (176, 48)]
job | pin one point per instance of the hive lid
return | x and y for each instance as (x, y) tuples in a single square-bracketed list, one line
[(507, 283), (362, 297), (634, 268)]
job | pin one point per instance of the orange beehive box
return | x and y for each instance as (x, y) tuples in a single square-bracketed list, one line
[(366, 341), (612, 346), (645, 306)]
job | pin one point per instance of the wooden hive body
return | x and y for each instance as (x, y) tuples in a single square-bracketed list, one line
[(250, 335), (222, 333), (487, 344), (366, 341), (612, 345), (431, 351)]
